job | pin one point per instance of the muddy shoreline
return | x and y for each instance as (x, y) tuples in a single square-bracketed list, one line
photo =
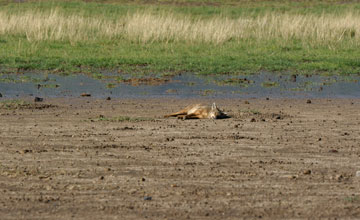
[(86, 158)]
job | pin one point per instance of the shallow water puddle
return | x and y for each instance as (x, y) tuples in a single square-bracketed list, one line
[(181, 86)]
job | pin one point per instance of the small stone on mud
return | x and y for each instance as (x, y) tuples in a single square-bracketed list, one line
[(307, 172), (38, 99), (339, 177), (25, 151), (85, 94), (148, 198), (308, 101), (43, 177), (71, 187), (132, 191), (357, 173)]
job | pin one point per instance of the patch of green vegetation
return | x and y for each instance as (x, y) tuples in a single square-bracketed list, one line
[(8, 80), (122, 119), (352, 199), (120, 79), (269, 84), (110, 85), (97, 75), (22, 79), (51, 86), (207, 92), (13, 104), (242, 82)]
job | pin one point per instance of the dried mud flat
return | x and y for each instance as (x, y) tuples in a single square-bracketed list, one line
[(119, 159)]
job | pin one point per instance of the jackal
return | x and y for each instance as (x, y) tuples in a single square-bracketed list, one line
[(199, 111)]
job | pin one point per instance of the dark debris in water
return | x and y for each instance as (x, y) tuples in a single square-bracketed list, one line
[(38, 99), (145, 81)]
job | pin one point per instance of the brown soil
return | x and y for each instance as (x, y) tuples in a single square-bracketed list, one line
[(272, 159)]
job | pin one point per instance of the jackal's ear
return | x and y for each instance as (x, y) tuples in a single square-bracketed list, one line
[(213, 106)]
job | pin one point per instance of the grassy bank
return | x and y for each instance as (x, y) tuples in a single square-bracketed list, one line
[(167, 39)]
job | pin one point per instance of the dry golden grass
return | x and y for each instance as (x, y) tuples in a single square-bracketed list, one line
[(147, 27)]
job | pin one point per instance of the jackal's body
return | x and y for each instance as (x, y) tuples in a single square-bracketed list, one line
[(199, 111)]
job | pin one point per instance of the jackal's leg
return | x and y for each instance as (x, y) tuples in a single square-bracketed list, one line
[(181, 117), (179, 113), (191, 116)]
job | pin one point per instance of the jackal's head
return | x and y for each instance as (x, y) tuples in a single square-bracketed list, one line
[(217, 113)]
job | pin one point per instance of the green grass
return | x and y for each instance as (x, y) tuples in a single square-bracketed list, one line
[(194, 8), (242, 56)]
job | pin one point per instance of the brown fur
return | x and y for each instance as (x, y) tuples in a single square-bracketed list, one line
[(199, 111)]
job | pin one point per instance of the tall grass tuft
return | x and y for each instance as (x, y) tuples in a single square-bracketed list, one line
[(147, 27)]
